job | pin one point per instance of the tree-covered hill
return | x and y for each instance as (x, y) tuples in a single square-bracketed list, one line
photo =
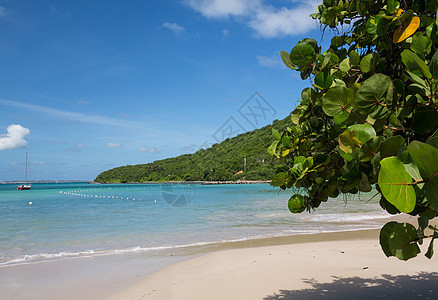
[(223, 161)]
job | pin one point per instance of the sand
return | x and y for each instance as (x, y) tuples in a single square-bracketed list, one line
[(347, 266)]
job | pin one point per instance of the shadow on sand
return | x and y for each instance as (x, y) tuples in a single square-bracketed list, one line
[(420, 286)]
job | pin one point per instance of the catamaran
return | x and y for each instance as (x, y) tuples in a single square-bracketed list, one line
[(24, 186)]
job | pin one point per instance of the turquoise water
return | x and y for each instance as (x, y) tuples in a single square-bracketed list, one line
[(70, 220)]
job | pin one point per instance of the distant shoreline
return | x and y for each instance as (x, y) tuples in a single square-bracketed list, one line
[(190, 182), (46, 181)]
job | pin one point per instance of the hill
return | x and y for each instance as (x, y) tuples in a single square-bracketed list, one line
[(220, 162)]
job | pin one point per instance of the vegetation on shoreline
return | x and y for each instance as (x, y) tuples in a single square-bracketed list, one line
[(221, 162)]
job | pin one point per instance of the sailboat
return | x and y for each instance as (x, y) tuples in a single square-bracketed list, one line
[(24, 186)]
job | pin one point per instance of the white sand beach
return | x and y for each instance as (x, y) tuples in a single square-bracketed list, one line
[(349, 265)]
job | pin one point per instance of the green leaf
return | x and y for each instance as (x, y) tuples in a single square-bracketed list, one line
[(348, 142), (433, 65), (429, 252), (369, 62), (421, 44), (323, 80), (402, 241), (384, 235), (285, 57), (354, 58), (286, 142), (280, 179), (337, 41), (374, 95), (390, 146), (276, 134), (344, 66), (297, 204), (415, 64), (425, 157), (302, 55), (272, 150), (391, 6), (395, 184), (371, 26), (365, 132), (369, 149), (337, 100)]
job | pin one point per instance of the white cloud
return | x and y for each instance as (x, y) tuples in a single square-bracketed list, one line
[(270, 22), (80, 145), (270, 61), (149, 150), (113, 145), (72, 116), (222, 8), (2, 11), (266, 20), (14, 138), (177, 29)]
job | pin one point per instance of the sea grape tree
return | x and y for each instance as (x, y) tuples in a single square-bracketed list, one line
[(369, 117)]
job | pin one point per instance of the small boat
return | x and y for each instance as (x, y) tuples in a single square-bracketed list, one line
[(24, 186)]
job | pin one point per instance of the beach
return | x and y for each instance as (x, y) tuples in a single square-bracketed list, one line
[(341, 265), (82, 241)]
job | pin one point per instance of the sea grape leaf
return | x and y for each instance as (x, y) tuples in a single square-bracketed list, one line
[(323, 80), (344, 66), (365, 132), (349, 142), (392, 6), (354, 58), (384, 235), (406, 30), (369, 62), (433, 65), (402, 241), (285, 57), (302, 55), (371, 26), (374, 95), (337, 100), (369, 149), (280, 179), (395, 184), (421, 44), (415, 64), (390, 146), (272, 150), (425, 157), (276, 134)]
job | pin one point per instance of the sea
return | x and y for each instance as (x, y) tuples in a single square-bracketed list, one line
[(65, 220)]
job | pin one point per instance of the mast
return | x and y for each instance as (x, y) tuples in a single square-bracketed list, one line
[(25, 174)]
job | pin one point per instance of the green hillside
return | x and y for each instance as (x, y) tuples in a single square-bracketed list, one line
[(218, 163)]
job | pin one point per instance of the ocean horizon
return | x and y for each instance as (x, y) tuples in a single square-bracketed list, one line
[(66, 220)]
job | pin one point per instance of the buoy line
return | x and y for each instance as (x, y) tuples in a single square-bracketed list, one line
[(80, 193)]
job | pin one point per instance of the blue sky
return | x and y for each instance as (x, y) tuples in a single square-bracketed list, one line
[(86, 86)]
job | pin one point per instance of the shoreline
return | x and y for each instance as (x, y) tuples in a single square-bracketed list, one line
[(124, 276), (189, 182)]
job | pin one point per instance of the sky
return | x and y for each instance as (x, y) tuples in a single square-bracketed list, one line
[(86, 86)]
